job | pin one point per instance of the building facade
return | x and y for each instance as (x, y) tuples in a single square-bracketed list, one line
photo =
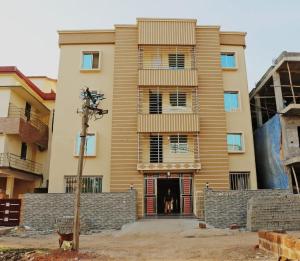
[(179, 115), (276, 121), (25, 131)]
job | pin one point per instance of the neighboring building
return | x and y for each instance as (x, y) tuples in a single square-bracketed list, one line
[(275, 104), (25, 132), (168, 128)]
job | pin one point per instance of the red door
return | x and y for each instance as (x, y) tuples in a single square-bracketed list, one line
[(150, 196), (186, 195)]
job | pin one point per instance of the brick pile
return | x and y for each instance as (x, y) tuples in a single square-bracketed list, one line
[(282, 245)]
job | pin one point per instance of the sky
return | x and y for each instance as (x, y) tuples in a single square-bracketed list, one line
[(29, 38)]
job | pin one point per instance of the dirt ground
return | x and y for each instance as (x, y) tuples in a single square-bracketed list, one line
[(161, 239)]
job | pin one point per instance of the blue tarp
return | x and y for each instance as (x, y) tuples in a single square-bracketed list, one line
[(270, 170)]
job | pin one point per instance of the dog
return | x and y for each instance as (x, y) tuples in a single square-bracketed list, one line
[(65, 237)]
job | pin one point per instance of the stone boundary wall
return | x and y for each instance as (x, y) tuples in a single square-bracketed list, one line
[(223, 208), (98, 210), (274, 213), (281, 245)]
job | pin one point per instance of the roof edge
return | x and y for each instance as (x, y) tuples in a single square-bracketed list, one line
[(37, 90)]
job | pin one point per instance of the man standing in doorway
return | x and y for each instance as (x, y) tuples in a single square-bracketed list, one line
[(168, 200)]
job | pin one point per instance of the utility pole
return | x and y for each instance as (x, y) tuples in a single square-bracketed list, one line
[(89, 108)]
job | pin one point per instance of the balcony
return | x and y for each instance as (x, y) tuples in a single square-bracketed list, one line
[(165, 109), (168, 152), (9, 160), (167, 66), (28, 126)]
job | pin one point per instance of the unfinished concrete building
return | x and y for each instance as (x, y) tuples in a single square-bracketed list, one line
[(275, 107)]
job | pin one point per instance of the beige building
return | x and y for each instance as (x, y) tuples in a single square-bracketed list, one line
[(179, 115), (25, 131)]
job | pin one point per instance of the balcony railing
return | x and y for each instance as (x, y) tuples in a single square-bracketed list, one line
[(14, 161), (160, 100), (167, 57), (32, 118), (168, 152)]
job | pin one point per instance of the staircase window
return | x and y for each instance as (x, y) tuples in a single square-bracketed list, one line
[(155, 102), (156, 149)]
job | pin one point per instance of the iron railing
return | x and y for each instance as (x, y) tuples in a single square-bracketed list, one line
[(167, 57), (239, 180), (90, 184), (170, 148), (32, 118), (14, 161), (157, 100)]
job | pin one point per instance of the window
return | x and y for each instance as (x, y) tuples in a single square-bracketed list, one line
[(155, 102), (27, 111), (234, 142), (239, 180), (231, 101), (90, 184), (176, 61), (156, 149), (228, 60), (90, 145), (90, 61), (178, 99), (23, 151), (178, 144)]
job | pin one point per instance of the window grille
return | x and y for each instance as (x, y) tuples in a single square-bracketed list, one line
[(90, 184), (178, 144), (155, 102), (156, 149), (239, 180), (178, 99), (176, 61)]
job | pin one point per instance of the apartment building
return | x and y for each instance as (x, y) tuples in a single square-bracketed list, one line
[(26, 105), (276, 123), (179, 116)]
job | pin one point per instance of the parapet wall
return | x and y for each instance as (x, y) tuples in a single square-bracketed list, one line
[(98, 211), (274, 213), (223, 208)]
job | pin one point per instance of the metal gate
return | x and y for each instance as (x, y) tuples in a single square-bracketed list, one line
[(10, 212), (186, 193)]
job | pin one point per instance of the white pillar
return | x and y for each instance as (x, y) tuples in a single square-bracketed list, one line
[(278, 91), (10, 182), (258, 111)]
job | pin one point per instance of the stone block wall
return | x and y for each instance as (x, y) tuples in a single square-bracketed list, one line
[(282, 245), (222, 208), (98, 211), (274, 213)]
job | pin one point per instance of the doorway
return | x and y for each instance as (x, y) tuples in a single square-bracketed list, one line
[(163, 185)]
